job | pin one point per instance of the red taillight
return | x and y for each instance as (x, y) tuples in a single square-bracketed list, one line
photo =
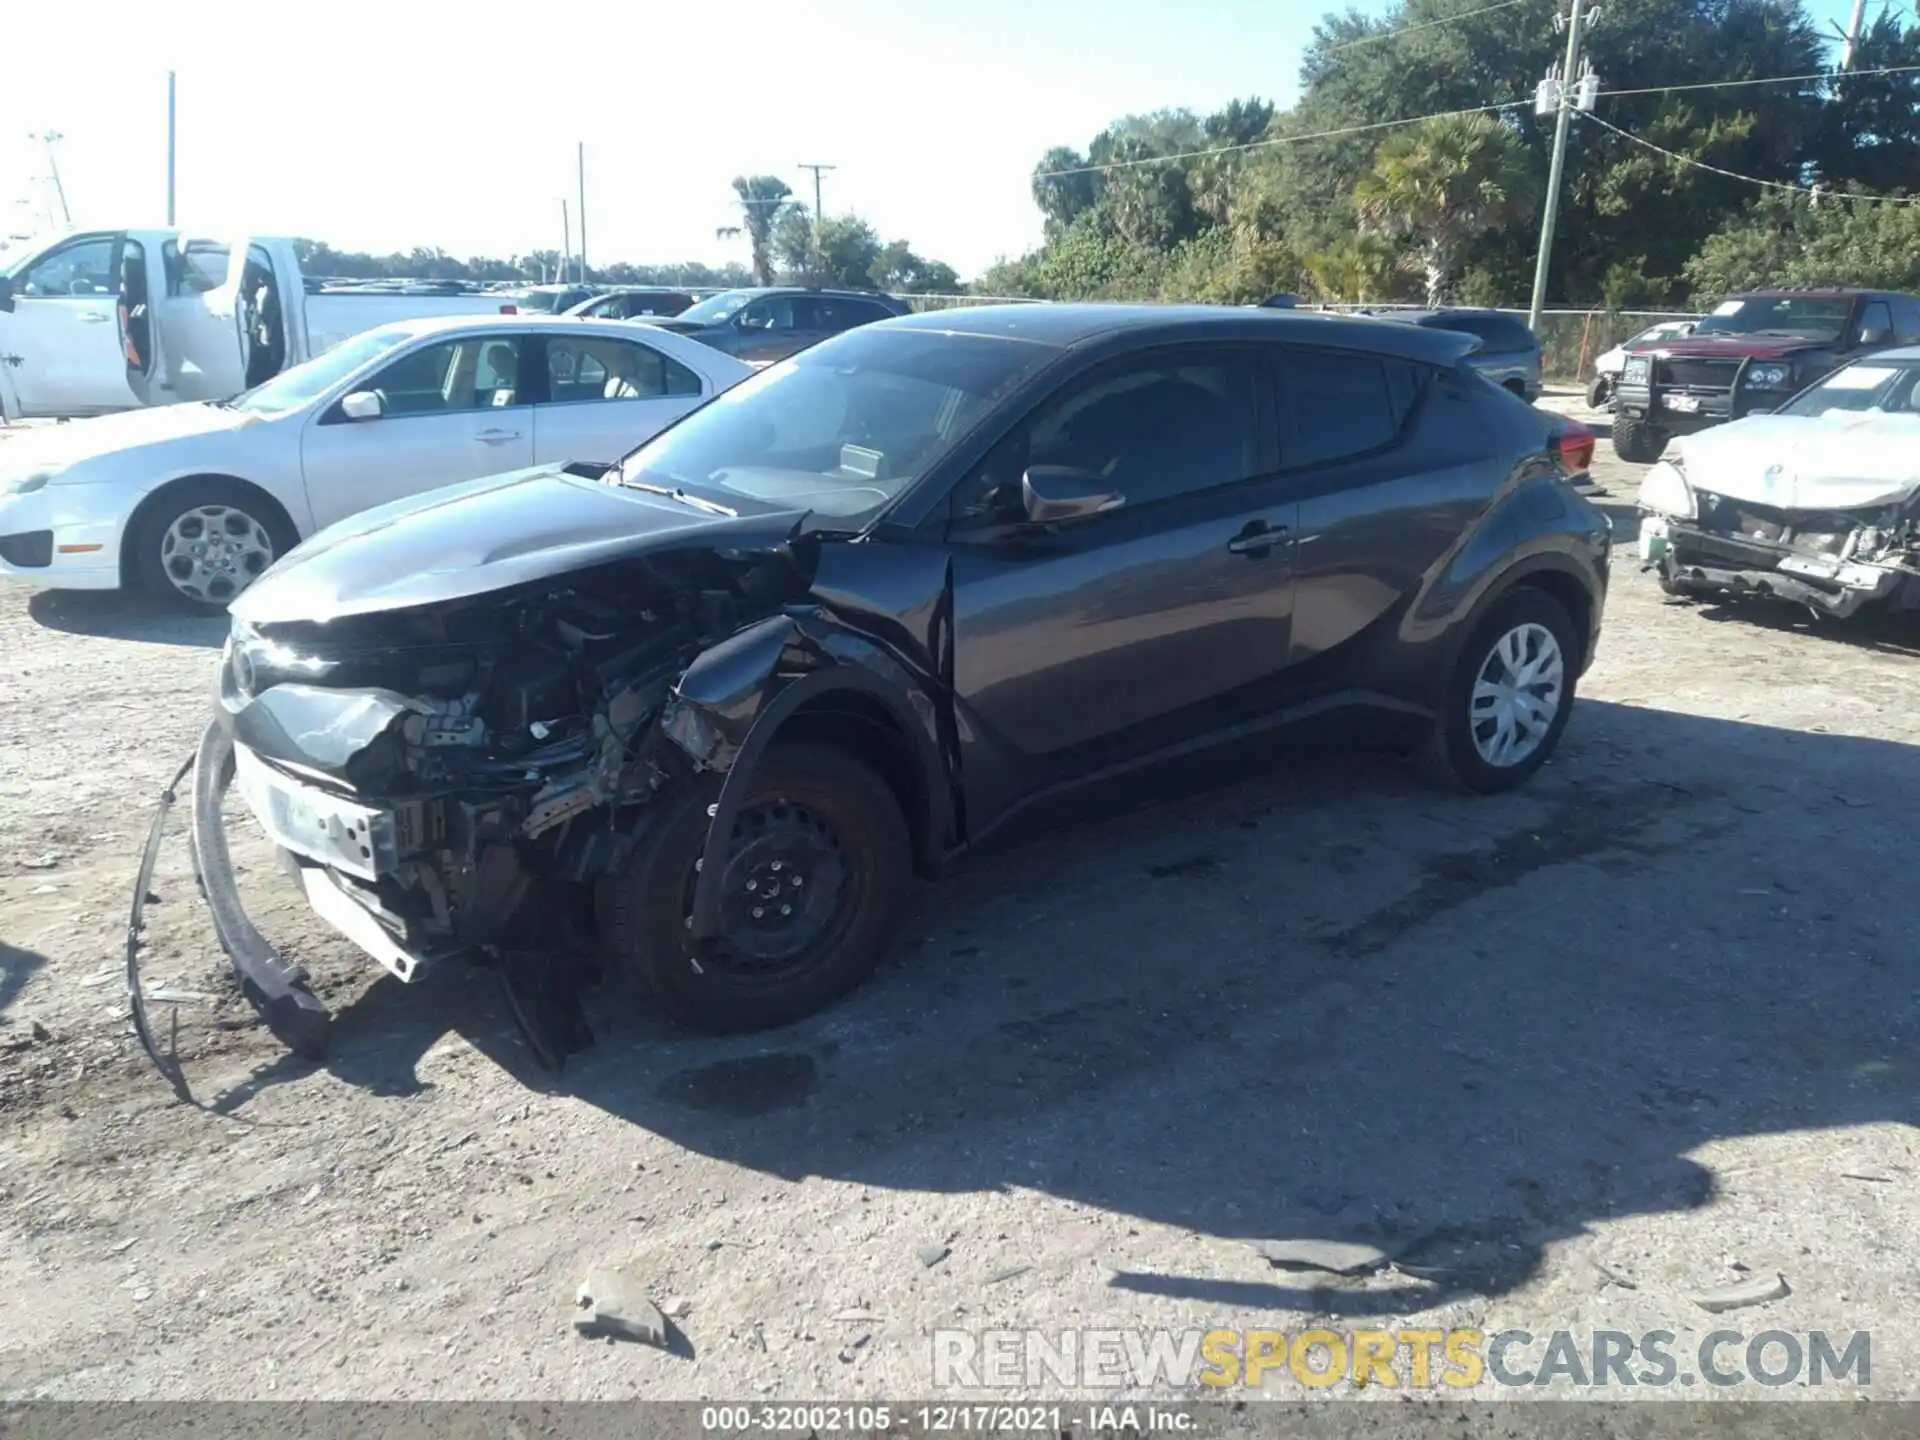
[(1574, 447), (509, 309)]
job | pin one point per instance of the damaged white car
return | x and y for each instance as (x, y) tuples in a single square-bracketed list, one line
[(1817, 503)]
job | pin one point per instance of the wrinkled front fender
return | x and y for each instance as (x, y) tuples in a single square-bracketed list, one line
[(732, 701)]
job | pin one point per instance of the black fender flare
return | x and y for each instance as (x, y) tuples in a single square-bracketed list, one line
[(938, 808)]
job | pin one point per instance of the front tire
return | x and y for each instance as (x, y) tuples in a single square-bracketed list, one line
[(203, 542), (1636, 441), (818, 865), (1509, 697)]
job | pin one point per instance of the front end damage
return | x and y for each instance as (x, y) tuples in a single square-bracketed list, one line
[(1713, 527), (454, 779), (1833, 563)]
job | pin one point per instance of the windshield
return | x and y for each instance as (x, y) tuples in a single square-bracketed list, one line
[(307, 382), (717, 308), (1799, 316), (840, 429), (1867, 388)]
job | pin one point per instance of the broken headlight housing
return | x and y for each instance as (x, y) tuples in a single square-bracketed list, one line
[(1665, 492)]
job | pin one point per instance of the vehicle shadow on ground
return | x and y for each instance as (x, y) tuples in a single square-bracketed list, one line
[(1325, 1001), (16, 965), (1876, 630), (117, 615)]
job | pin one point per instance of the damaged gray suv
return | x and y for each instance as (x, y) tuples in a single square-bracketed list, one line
[(692, 721)]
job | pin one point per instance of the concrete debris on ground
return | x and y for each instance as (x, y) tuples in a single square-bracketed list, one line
[(608, 1306), (678, 1307), (932, 1255), (1756, 1291), (1336, 1257)]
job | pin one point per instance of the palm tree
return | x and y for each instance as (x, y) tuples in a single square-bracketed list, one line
[(1441, 184), (1357, 269), (762, 198)]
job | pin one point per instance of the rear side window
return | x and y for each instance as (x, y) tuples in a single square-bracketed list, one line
[(1906, 319), (1336, 407)]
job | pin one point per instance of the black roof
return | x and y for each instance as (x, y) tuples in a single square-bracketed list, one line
[(1067, 325)]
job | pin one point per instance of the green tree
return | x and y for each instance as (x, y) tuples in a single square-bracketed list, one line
[(898, 268), (849, 249), (1356, 269), (762, 198), (1439, 186), (1785, 240), (793, 242)]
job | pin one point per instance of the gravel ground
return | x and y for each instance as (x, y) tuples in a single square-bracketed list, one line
[(1572, 1054)]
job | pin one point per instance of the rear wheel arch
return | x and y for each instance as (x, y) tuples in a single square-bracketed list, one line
[(273, 514)]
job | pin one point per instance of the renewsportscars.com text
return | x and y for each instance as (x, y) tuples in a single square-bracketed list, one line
[(1037, 1361)]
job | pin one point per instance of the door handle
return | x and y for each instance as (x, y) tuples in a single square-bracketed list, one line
[(88, 317), (1257, 539), (497, 437)]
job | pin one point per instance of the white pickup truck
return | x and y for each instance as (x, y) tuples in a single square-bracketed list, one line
[(103, 320)]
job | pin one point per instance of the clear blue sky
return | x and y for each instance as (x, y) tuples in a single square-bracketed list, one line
[(376, 127)]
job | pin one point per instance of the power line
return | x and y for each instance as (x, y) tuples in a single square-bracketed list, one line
[(1422, 25), (1807, 190), (1764, 80)]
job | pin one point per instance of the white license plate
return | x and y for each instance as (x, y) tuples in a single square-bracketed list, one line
[(1684, 404)]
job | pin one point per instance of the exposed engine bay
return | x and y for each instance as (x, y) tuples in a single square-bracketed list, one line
[(451, 779)]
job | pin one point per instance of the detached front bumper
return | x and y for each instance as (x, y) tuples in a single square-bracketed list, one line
[(1691, 558), (279, 991)]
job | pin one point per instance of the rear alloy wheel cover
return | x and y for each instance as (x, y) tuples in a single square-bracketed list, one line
[(212, 552), (1517, 695)]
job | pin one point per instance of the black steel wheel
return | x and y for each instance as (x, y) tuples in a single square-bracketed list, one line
[(818, 860)]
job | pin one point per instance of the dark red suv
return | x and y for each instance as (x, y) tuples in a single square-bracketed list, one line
[(1749, 355)]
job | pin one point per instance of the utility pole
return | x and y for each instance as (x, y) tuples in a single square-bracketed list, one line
[(566, 244), (580, 157), (170, 147), (817, 171), (1566, 91), (50, 139), (1852, 42)]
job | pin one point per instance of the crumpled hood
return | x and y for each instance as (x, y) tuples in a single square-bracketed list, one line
[(37, 446), (485, 535), (1791, 462)]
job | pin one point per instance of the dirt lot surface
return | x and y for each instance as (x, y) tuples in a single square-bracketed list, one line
[(1573, 1055)]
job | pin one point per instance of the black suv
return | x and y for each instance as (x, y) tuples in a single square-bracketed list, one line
[(697, 717), (764, 325)]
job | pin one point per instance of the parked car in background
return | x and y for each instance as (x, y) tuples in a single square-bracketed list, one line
[(633, 302), (550, 299), (98, 321), (720, 701), (763, 325), (1752, 353), (1817, 503), (191, 503), (1509, 353), (1608, 364)]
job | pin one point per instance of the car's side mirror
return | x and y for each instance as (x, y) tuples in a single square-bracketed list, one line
[(6, 294), (1051, 494), (363, 405)]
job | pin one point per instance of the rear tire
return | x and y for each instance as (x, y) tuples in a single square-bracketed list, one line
[(1598, 389), (1636, 441), (818, 832), (240, 533), (1514, 680)]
